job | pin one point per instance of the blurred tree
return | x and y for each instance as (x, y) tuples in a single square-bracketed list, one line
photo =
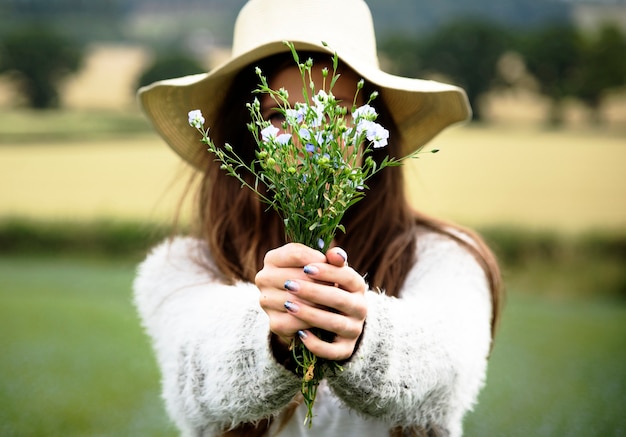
[(465, 51), (603, 67), (84, 20), (40, 58), (402, 51), (554, 56), (167, 66)]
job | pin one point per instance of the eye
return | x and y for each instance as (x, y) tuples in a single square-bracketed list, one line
[(276, 118)]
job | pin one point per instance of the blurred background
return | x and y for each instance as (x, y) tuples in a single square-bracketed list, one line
[(86, 188)]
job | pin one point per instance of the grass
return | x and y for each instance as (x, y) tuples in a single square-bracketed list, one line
[(75, 361), (557, 370)]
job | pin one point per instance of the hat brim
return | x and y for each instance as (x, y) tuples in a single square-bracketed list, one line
[(420, 108)]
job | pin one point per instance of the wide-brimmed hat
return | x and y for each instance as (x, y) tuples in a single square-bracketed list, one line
[(420, 108)]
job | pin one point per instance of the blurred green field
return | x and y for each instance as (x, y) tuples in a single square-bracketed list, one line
[(75, 362)]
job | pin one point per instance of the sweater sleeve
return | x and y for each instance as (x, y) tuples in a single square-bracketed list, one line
[(423, 357), (210, 340)]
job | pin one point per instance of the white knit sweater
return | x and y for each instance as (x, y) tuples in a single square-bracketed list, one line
[(421, 361)]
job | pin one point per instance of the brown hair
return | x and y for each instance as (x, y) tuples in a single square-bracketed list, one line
[(380, 235)]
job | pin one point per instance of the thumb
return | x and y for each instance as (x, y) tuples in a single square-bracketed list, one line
[(337, 257)]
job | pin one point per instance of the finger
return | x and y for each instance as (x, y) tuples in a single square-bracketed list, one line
[(272, 300), (293, 255), (282, 323), (273, 278), (336, 351), (345, 277), (339, 324), (326, 296), (337, 257), (286, 326)]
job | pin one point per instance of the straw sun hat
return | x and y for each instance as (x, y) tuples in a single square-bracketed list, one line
[(420, 108)]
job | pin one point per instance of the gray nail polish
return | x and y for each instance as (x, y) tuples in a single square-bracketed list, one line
[(292, 285), (290, 306), (311, 270)]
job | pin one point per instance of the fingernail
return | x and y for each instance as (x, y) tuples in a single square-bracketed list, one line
[(302, 334), (292, 285), (292, 307), (311, 270), (342, 253)]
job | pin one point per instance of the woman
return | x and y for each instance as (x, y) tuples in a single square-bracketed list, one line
[(411, 301)]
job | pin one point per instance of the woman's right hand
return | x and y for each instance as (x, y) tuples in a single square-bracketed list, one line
[(280, 265), (301, 288)]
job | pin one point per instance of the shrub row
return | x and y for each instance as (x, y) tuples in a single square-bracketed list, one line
[(106, 238), (513, 246)]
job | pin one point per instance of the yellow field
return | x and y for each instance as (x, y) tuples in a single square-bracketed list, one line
[(568, 181)]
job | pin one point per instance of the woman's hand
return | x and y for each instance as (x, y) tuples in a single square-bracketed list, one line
[(303, 289)]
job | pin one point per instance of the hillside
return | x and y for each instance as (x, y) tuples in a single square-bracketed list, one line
[(167, 20), (419, 16), (412, 16)]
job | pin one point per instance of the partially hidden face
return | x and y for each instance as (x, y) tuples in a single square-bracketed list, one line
[(290, 79)]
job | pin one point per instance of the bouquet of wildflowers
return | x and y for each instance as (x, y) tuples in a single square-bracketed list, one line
[(314, 169)]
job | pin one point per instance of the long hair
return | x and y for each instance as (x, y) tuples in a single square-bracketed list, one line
[(380, 229)]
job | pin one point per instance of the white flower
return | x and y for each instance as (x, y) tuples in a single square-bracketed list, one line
[(283, 139), (374, 132), (321, 98), (315, 137), (315, 116), (304, 133), (269, 133), (297, 115), (378, 135), (196, 119), (362, 126), (365, 112)]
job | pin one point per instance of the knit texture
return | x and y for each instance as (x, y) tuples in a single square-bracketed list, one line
[(422, 358)]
